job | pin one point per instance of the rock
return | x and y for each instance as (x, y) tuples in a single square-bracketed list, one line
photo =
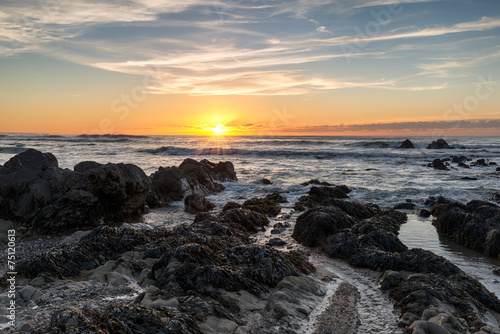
[(315, 225), (231, 205), (432, 201), (316, 181), (390, 279), (251, 221), (449, 322), (23, 327), (459, 159), (266, 181), (279, 228), (438, 145), (481, 162), (437, 164), (498, 169), (294, 298), (425, 327), (121, 319), (468, 178), (404, 206), (268, 205), (407, 319), (475, 225), (196, 203), (496, 197), (276, 242), (321, 196), (423, 213), (35, 192), (191, 177), (407, 144)]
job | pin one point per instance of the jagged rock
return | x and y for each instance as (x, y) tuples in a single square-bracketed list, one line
[(423, 213), (124, 319), (437, 164), (438, 145), (459, 159), (390, 279), (407, 144), (266, 181), (251, 221), (496, 197), (196, 203), (432, 200), (321, 196), (268, 205), (231, 205), (191, 177), (404, 206), (34, 191), (315, 225), (246, 267), (475, 225), (316, 181)]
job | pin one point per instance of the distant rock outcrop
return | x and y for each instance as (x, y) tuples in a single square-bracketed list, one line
[(407, 144), (438, 164), (191, 177), (438, 145)]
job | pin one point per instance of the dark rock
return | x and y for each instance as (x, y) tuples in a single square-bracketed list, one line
[(438, 145), (231, 205), (249, 220), (480, 162), (468, 178), (390, 279), (196, 203), (407, 144), (315, 225), (405, 206), (268, 205), (320, 195), (423, 213), (496, 197), (276, 242), (251, 268), (437, 164), (266, 181), (459, 159), (492, 163), (432, 201), (37, 193), (498, 169), (316, 181), (278, 228), (191, 177), (475, 225), (122, 319)]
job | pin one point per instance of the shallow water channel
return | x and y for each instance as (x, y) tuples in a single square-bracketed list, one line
[(420, 233)]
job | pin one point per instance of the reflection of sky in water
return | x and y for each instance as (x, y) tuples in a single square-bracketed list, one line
[(419, 233)]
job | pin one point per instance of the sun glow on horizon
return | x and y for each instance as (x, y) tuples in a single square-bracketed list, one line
[(219, 130)]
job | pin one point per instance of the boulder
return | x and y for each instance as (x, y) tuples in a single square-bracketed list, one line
[(407, 144), (191, 177), (475, 225), (268, 205), (197, 203), (34, 191), (437, 164), (320, 196), (438, 145)]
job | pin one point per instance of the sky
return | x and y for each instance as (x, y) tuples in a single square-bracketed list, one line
[(297, 67)]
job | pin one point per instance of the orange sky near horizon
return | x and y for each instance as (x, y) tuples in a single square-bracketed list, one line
[(312, 68)]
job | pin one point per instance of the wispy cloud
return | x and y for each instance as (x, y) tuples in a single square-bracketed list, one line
[(486, 124)]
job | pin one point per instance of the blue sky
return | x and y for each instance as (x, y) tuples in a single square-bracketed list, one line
[(320, 51)]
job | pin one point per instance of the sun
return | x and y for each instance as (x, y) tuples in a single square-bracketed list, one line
[(219, 130)]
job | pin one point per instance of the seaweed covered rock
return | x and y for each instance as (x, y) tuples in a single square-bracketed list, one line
[(196, 203), (95, 248), (475, 225), (124, 319), (315, 225), (36, 192), (250, 221), (252, 268), (269, 205), (191, 177), (321, 196)]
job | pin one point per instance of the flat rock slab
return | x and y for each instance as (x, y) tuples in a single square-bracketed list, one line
[(341, 315)]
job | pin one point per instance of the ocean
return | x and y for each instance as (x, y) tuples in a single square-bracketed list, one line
[(375, 168)]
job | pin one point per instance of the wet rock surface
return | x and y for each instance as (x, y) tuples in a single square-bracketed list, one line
[(438, 145), (475, 225), (407, 144), (418, 281), (321, 196)]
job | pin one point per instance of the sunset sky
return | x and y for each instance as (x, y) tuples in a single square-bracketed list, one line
[(297, 67)]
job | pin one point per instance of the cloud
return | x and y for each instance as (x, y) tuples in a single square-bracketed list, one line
[(486, 124)]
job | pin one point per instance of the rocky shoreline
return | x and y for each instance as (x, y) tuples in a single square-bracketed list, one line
[(79, 270)]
